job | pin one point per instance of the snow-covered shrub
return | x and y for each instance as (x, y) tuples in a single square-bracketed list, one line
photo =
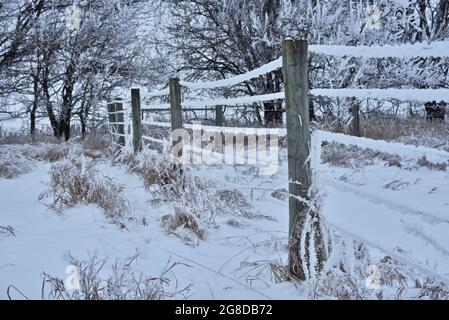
[(185, 226), (179, 185), (433, 290), (96, 146), (275, 270), (423, 162), (124, 283), (14, 161), (233, 201), (348, 156), (351, 273), (75, 180), (195, 201), (56, 152)]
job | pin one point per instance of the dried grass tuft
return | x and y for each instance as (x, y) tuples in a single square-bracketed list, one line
[(345, 156), (185, 226), (433, 290), (123, 284), (76, 180), (423, 162)]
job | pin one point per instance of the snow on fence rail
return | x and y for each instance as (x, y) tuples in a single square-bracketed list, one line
[(244, 100), (404, 150), (400, 149), (269, 67), (421, 95), (405, 51)]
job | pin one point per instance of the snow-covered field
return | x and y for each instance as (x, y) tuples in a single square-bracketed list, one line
[(388, 216)]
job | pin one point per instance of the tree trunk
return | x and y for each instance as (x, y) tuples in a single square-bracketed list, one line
[(48, 105), (34, 107), (272, 114), (424, 32), (442, 17), (67, 103), (83, 126)]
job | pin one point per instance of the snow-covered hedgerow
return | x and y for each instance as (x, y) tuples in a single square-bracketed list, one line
[(76, 180), (123, 283)]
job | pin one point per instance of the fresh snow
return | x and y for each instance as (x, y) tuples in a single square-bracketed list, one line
[(410, 224)]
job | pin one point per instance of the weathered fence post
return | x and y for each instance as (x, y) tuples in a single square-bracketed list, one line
[(120, 123), (355, 110), (219, 116), (137, 120), (295, 66), (175, 103)]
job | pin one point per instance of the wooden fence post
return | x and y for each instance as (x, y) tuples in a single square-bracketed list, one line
[(355, 110), (175, 103), (120, 119), (137, 120), (295, 67), (219, 116)]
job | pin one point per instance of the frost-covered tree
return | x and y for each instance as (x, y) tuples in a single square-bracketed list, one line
[(74, 56), (218, 39), (17, 18)]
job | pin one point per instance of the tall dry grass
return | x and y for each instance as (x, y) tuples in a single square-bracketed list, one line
[(76, 180)]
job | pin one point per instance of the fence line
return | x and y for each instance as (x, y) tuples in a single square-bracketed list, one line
[(319, 136), (302, 148)]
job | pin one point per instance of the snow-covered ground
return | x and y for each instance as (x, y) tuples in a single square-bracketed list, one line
[(43, 239), (399, 212)]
